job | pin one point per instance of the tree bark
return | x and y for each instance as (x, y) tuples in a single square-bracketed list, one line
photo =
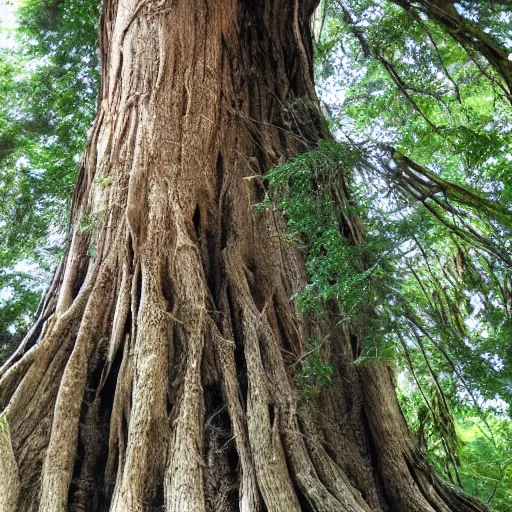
[(162, 374)]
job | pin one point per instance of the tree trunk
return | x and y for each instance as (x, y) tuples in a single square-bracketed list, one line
[(161, 372)]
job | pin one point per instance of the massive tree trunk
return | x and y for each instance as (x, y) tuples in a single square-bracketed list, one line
[(160, 373)]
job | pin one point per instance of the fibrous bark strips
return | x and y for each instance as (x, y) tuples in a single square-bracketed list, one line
[(160, 374)]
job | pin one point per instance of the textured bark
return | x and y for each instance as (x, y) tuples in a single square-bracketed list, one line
[(9, 478), (161, 373)]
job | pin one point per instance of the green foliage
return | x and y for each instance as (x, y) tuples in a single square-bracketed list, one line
[(487, 468), (432, 301), (47, 91), (310, 192), (315, 374), (304, 188), (484, 463), (430, 121), (424, 139)]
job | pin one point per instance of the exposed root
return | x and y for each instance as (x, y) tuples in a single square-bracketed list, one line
[(60, 455), (9, 478)]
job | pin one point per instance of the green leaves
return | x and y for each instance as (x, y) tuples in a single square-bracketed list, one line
[(47, 91), (315, 374), (440, 202), (306, 191)]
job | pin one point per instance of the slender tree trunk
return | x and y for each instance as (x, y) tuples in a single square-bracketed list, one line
[(161, 372)]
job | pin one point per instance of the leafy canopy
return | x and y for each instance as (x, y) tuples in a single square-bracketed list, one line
[(48, 84)]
